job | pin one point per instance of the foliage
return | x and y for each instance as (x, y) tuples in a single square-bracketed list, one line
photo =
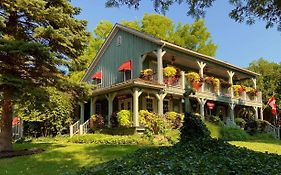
[(233, 134), (118, 131), (193, 77), (193, 128), (240, 122), (146, 74), (216, 120), (238, 89), (154, 123), (108, 139), (214, 81), (38, 39), (269, 83), (97, 122), (248, 11), (48, 117), (169, 71), (124, 118), (252, 126), (175, 119), (199, 156)]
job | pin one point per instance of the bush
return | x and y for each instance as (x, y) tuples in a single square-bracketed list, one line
[(263, 124), (155, 123), (118, 131), (108, 139), (240, 122), (252, 127), (175, 119), (97, 122), (124, 118), (216, 120), (233, 134)]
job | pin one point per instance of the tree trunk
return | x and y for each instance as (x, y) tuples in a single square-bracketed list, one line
[(6, 120)]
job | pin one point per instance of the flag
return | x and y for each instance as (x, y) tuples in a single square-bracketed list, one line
[(271, 102)]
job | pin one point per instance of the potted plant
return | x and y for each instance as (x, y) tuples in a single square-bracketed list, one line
[(238, 89), (169, 73), (213, 81), (146, 74), (252, 92), (195, 80)]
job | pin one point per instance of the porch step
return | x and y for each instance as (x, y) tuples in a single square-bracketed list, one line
[(140, 129)]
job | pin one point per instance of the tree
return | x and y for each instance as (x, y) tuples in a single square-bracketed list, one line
[(270, 79), (37, 37), (244, 10)]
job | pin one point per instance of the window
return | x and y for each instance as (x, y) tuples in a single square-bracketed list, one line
[(149, 104), (165, 106), (119, 41), (127, 75)]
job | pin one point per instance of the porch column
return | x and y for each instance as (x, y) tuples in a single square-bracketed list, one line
[(231, 114), (136, 93), (230, 80), (255, 87), (110, 98), (202, 103), (256, 113), (160, 97), (182, 79), (93, 106), (201, 72), (159, 54), (261, 113), (82, 110)]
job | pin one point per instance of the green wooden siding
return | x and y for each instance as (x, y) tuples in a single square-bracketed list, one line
[(131, 48)]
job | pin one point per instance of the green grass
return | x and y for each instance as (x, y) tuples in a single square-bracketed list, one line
[(61, 157), (214, 129), (259, 146)]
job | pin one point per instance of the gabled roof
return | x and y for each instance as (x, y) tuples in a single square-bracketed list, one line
[(162, 43)]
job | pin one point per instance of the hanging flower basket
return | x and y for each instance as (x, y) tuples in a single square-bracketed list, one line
[(213, 81), (195, 80), (169, 71), (252, 92), (238, 89), (225, 84), (196, 85)]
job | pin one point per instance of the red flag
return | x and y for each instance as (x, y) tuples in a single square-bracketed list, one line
[(271, 102)]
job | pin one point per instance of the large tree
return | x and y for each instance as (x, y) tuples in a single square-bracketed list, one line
[(37, 37), (244, 10)]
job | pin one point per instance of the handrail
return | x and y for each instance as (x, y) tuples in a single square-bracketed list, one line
[(273, 130), (85, 127), (74, 129)]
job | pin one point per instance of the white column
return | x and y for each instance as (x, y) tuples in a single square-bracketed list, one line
[(201, 72), (202, 103), (256, 113), (255, 83), (110, 98), (230, 80), (159, 54), (261, 113), (136, 93), (160, 97), (93, 106), (182, 79), (231, 114), (82, 109)]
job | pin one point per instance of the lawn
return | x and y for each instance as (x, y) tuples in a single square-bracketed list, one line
[(61, 157), (261, 146)]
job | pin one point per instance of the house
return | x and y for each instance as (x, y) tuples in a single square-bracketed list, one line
[(117, 67)]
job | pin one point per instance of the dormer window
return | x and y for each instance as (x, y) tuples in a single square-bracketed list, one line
[(126, 69), (97, 78), (119, 41)]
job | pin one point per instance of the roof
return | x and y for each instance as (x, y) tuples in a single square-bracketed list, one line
[(162, 43)]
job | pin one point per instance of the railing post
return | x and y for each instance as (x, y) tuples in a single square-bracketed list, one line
[(71, 130), (182, 80), (81, 129)]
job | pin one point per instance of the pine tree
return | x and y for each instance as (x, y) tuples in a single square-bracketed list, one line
[(37, 37)]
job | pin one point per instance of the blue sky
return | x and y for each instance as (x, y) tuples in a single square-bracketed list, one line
[(238, 44)]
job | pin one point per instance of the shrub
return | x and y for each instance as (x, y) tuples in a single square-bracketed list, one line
[(233, 134), (240, 122), (216, 120), (97, 122), (263, 124), (124, 118), (118, 131), (153, 122), (175, 119), (252, 127)]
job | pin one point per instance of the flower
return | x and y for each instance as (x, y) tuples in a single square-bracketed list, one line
[(193, 77), (169, 71)]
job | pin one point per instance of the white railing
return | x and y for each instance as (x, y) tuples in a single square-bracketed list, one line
[(85, 127), (274, 131), (74, 129), (17, 130)]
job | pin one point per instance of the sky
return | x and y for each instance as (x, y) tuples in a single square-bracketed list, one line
[(238, 43)]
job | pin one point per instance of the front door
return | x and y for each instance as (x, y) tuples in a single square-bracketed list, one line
[(125, 104)]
